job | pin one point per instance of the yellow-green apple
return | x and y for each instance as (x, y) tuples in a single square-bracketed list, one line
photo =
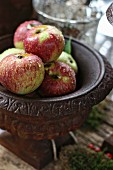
[(46, 41), (60, 79), (11, 51), (21, 30), (21, 73), (68, 59)]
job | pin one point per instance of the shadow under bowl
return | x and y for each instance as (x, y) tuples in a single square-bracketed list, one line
[(33, 117)]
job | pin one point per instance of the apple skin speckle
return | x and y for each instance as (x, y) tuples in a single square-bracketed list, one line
[(48, 47), (21, 31), (21, 73), (60, 79)]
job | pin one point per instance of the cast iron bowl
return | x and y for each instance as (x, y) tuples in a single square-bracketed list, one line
[(46, 118)]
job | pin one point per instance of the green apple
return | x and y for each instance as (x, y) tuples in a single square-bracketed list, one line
[(68, 59), (10, 51)]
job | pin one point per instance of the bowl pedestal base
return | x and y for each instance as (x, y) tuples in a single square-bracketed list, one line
[(34, 152)]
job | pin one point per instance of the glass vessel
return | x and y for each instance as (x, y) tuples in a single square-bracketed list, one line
[(73, 18)]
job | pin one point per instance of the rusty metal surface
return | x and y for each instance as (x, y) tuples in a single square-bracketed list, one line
[(47, 118)]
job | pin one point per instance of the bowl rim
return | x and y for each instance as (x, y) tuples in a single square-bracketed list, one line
[(69, 96), (68, 21)]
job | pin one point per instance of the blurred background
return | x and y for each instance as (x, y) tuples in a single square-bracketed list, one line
[(64, 13), (13, 12)]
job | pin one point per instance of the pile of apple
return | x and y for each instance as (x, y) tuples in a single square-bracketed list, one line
[(38, 62)]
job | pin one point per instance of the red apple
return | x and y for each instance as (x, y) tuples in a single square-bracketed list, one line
[(59, 79), (10, 51), (21, 30), (45, 41), (21, 73)]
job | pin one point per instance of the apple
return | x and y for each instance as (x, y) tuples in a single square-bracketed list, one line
[(10, 51), (46, 41), (21, 30), (21, 73), (59, 79), (68, 59)]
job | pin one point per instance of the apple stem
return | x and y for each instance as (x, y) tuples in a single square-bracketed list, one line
[(47, 65), (19, 56), (29, 26), (55, 76), (70, 60), (39, 30)]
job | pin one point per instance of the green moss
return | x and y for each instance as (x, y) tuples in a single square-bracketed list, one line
[(95, 117), (82, 159)]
